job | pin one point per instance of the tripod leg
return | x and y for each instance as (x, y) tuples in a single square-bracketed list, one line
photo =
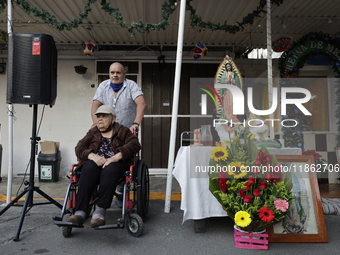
[(13, 202), (48, 198), (23, 213)]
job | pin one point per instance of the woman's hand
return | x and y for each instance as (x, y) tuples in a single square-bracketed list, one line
[(97, 159), (114, 158)]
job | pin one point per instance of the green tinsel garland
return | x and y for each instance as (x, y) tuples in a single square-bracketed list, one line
[(168, 8), (293, 136)]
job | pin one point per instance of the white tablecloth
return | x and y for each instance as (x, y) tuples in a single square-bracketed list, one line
[(197, 201)]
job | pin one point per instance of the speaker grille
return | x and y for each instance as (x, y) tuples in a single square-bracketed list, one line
[(32, 78)]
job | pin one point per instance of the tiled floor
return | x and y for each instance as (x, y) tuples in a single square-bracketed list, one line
[(331, 190)]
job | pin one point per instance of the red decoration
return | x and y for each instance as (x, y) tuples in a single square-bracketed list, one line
[(88, 48), (282, 44), (200, 51)]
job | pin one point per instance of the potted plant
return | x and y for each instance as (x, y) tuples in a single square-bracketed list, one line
[(250, 184), (81, 69)]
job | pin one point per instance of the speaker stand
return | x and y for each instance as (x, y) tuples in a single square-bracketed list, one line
[(31, 188)]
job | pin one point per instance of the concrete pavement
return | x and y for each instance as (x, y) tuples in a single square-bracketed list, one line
[(163, 233)]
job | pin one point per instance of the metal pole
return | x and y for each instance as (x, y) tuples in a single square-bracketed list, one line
[(175, 106), (270, 65), (10, 116)]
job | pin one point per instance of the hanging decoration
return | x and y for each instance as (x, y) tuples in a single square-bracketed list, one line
[(282, 44), (290, 63), (168, 7), (88, 48), (200, 51)]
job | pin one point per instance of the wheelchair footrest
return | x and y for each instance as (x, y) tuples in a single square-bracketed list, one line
[(68, 224), (118, 225)]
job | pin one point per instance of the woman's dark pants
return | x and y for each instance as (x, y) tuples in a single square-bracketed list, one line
[(107, 178)]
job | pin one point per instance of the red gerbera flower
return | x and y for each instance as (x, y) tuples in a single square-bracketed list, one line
[(266, 214)]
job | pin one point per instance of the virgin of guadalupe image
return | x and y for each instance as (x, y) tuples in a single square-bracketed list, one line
[(227, 73)]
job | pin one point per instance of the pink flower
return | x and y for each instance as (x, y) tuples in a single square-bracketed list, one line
[(281, 204)]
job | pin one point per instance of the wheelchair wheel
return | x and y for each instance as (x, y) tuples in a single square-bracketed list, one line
[(143, 190), (135, 225), (66, 230)]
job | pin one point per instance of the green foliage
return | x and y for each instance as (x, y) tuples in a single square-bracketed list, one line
[(168, 7)]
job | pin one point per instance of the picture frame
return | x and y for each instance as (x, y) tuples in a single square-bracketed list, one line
[(306, 224), (337, 153)]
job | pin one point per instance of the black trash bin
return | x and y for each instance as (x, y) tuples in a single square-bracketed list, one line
[(49, 167)]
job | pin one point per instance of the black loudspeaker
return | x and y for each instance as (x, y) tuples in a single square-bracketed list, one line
[(31, 69)]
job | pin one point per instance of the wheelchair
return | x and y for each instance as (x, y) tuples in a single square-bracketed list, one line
[(135, 200)]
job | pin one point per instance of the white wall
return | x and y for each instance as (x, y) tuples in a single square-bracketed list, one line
[(66, 122)]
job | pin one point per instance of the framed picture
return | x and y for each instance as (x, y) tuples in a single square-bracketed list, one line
[(337, 153), (305, 221)]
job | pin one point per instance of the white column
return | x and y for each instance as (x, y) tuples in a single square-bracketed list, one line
[(270, 65), (175, 106), (10, 116)]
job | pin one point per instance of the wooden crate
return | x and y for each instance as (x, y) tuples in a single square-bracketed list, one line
[(251, 240)]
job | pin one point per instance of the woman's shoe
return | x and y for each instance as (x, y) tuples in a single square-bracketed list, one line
[(97, 223), (76, 219)]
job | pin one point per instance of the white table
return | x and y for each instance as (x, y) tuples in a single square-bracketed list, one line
[(197, 200)]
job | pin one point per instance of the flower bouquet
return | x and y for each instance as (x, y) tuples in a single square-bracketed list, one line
[(250, 184)]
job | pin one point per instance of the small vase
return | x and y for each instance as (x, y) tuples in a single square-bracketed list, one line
[(206, 136)]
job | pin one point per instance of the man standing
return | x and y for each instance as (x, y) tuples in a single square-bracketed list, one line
[(123, 95)]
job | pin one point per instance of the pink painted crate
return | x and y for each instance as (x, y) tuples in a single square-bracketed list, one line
[(247, 240)]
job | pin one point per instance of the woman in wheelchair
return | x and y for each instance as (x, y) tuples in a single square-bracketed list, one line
[(103, 158)]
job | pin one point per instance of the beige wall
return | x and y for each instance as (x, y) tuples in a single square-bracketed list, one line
[(66, 122)]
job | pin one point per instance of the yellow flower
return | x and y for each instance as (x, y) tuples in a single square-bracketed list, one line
[(219, 153), (237, 169), (236, 139), (242, 219)]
